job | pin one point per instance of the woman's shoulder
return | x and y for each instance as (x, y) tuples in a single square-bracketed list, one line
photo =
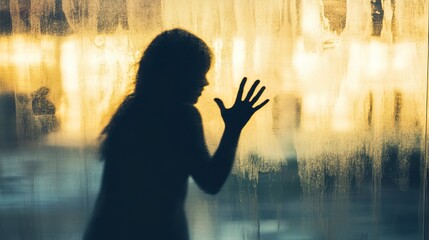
[(185, 109), (187, 112), (191, 109)]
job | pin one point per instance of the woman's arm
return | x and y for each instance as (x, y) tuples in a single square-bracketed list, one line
[(210, 173)]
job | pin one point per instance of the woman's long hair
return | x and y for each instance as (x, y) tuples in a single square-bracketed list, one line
[(162, 72)]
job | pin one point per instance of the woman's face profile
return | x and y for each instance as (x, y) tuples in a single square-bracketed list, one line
[(196, 80)]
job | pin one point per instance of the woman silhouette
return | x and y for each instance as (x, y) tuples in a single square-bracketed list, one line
[(155, 141)]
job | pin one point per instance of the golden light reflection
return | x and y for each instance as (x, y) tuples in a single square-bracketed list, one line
[(217, 64), (331, 74), (402, 57), (82, 67), (70, 109), (305, 62), (311, 24), (95, 74), (377, 60), (238, 59), (24, 52)]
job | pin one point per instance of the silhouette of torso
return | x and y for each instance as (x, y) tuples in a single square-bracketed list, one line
[(146, 173)]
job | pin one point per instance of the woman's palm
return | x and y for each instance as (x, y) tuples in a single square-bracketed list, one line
[(239, 114)]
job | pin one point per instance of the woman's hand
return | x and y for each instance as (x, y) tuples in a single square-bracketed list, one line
[(238, 115)]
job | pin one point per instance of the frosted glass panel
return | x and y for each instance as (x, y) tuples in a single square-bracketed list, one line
[(338, 153)]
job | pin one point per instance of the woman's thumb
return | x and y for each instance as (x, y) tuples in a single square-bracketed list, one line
[(219, 104)]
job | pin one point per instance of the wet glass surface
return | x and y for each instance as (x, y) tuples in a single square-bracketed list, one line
[(339, 152)]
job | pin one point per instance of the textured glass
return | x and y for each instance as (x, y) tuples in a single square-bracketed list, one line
[(340, 151)]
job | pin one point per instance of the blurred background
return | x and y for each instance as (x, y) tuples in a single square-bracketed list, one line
[(340, 152)]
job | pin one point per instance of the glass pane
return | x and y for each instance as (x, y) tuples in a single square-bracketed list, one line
[(338, 153)]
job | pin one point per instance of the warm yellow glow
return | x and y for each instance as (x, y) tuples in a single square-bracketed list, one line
[(96, 72), (217, 64), (89, 73), (25, 52), (238, 59), (314, 105), (311, 23), (355, 67), (403, 56), (4, 52), (304, 62), (377, 59), (70, 109), (341, 116), (260, 45)]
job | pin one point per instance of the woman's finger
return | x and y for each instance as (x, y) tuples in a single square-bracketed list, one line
[(261, 105), (258, 95), (252, 90), (240, 90), (220, 104)]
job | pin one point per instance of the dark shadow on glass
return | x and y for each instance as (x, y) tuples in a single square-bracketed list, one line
[(55, 22), (8, 136), (5, 18), (155, 141), (377, 14), (112, 13), (24, 7), (26, 117)]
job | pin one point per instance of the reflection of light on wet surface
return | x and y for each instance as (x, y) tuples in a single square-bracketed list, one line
[(305, 62), (402, 56), (96, 72), (377, 59), (71, 109), (25, 52), (238, 59)]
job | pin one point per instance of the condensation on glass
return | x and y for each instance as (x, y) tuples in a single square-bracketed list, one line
[(339, 152)]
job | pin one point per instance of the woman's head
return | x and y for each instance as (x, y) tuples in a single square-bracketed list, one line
[(173, 67)]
